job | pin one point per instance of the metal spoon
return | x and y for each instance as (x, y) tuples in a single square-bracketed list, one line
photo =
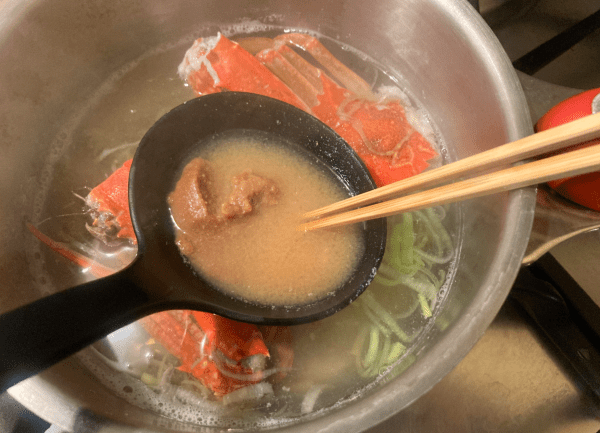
[(38, 335)]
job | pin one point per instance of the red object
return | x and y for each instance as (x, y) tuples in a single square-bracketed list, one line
[(212, 348), (583, 189), (225, 65), (375, 127), (379, 133), (194, 338), (112, 196)]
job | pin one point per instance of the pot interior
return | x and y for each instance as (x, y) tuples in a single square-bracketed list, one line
[(84, 84)]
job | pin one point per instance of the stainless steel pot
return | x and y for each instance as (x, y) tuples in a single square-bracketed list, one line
[(55, 54)]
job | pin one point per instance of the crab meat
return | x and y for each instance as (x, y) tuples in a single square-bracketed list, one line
[(375, 126), (223, 354)]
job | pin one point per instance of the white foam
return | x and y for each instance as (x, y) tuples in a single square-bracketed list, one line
[(176, 403), (195, 58)]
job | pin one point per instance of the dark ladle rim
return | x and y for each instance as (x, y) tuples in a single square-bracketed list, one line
[(221, 113), (40, 334)]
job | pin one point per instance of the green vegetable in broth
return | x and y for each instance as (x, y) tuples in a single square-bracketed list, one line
[(410, 263)]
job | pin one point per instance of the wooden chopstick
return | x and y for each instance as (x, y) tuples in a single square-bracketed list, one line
[(557, 138), (555, 167)]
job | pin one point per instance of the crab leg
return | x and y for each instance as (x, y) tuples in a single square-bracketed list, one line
[(242, 341), (110, 200), (378, 130), (223, 354), (302, 82), (340, 72), (95, 268), (215, 64), (179, 332), (257, 45)]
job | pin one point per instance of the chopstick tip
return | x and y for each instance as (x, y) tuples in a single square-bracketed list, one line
[(311, 214), (304, 227)]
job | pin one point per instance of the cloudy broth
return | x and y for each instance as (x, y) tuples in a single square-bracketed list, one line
[(105, 133), (262, 256)]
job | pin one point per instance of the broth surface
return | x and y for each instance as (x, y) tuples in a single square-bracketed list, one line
[(261, 256), (104, 133)]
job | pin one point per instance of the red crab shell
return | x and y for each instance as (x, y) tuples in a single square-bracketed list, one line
[(110, 200), (375, 127), (213, 349)]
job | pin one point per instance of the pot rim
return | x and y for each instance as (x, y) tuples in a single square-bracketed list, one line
[(446, 354), (391, 398)]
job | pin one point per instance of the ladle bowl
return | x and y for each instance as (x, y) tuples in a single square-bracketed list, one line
[(42, 333)]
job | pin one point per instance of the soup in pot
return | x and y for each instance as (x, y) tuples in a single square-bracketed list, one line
[(198, 368)]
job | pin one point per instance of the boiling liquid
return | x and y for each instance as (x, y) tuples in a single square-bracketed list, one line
[(105, 133)]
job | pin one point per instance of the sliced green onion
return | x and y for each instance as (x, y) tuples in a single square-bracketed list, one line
[(396, 351), (384, 352), (422, 287), (411, 309), (424, 306), (150, 380), (376, 321), (371, 354), (409, 262), (385, 317), (439, 228)]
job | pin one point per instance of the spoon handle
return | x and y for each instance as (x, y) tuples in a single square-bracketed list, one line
[(38, 335)]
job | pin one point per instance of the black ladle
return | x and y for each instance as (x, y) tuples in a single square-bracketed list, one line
[(44, 332)]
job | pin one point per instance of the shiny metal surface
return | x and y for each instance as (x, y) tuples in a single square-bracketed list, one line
[(556, 219), (59, 52), (513, 381), (510, 382), (525, 25)]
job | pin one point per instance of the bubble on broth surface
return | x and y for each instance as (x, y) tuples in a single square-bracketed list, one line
[(176, 402), (65, 141), (84, 138)]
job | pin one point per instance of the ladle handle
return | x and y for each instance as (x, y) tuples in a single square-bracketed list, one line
[(38, 335)]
